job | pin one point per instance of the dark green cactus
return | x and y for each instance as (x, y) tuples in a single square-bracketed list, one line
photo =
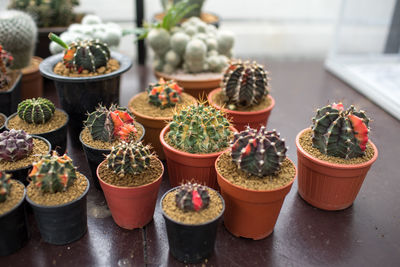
[(258, 152), (36, 111), (192, 197), (164, 94), (339, 132), (5, 186), (5, 61), (15, 145)]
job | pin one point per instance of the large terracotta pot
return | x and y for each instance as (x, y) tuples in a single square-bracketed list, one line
[(32, 80), (326, 185)]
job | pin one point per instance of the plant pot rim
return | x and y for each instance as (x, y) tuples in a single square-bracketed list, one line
[(16, 82), (130, 187), (335, 165), (186, 224), (18, 204), (188, 79), (47, 65), (31, 202)]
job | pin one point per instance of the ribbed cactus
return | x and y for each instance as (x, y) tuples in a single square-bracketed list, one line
[(339, 132), (199, 129), (18, 35), (244, 84), (258, 152), (164, 94), (36, 111), (192, 197), (15, 145), (5, 61), (83, 55), (53, 173), (5, 186), (129, 158)]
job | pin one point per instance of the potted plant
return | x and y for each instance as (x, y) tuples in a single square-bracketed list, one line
[(3, 119), (105, 128), (192, 213), (40, 117), (192, 141), (244, 95), (334, 156), (18, 150), (254, 176), (57, 194), (130, 177), (85, 78), (13, 223), (154, 109)]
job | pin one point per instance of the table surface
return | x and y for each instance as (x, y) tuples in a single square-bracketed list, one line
[(366, 234)]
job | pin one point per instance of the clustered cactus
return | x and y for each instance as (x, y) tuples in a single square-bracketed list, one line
[(5, 62), (164, 94), (258, 152), (53, 173), (36, 110), (15, 145), (5, 186), (199, 129), (339, 132), (192, 197)]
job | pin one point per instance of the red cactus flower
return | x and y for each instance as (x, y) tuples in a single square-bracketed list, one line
[(196, 199), (361, 131)]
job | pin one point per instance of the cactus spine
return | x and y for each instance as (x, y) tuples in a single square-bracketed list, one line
[(5, 186), (15, 145), (192, 197), (36, 111), (164, 94)]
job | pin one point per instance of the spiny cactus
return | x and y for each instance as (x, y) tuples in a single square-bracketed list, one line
[(36, 111), (192, 197), (339, 132), (258, 152), (53, 173), (5, 62), (15, 145), (83, 55), (164, 94), (129, 158), (199, 129), (5, 186)]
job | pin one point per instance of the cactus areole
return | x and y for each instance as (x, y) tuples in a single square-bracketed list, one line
[(192, 197), (164, 94)]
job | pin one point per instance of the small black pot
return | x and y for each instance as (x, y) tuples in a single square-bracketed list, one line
[(13, 228), (9, 99), (79, 95), (95, 156), (2, 128), (62, 224), (191, 243)]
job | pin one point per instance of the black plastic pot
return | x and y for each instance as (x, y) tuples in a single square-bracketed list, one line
[(62, 224), (3, 127), (191, 243), (95, 156), (13, 228), (9, 99)]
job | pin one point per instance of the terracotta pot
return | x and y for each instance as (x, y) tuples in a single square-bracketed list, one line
[(184, 166), (131, 207), (32, 80), (9, 99), (240, 119), (251, 213)]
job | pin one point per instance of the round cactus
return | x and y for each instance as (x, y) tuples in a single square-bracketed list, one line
[(192, 197), (225, 41), (164, 94), (15, 145), (178, 42), (195, 55), (159, 40), (5, 186), (36, 111)]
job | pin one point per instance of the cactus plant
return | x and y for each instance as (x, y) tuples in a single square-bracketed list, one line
[(197, 6), (258, 152), (36, 111), (339, 132), (164, 94), (15, 145), (53, 173), (5, 186), (192, 197), (5, 61)]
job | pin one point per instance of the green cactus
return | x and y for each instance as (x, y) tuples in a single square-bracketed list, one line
[(15, 145), (5, 186), (164, 94), (37, 111), (192, 197), (339, 132), (53, 173), (5, 61), (197, 6), (259, 152)]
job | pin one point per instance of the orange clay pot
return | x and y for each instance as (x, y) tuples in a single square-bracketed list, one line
[(131, 207), (32, 80), (184, 166), (329, 186), (240, 119), (251, 213)]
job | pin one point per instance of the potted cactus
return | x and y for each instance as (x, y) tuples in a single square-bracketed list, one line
[(254, 176), (192, 213), (334, 156), (18, 150), (192, 141), (40, 117), (130, 177), (154, 109), (13, 223), (244, 95)]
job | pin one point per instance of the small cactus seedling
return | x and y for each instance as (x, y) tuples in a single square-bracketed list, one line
[(258, 152), (15, 145), (36, 111), (5, 61), (129, 158), (192, 197), (164, 94), (339, 132), (5, 186), (244, 84), (53, 173)]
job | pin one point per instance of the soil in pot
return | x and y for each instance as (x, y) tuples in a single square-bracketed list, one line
[(32, 80), (219, 99), (15, 196), (61, 69)]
